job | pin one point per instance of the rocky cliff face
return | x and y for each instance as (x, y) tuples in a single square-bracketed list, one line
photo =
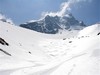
[(52, 24)]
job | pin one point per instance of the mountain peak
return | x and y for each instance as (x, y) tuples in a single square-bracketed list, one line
[(52, 24)]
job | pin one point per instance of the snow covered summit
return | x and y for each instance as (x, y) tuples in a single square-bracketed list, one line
[(52, 24)]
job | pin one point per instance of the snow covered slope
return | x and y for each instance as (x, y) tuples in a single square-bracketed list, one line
[(23, 45), (33, 53), (91, 30)]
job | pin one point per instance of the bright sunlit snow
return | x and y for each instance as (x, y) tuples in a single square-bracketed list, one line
[(33, 53)]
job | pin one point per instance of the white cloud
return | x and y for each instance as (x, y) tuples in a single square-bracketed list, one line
[(4, 18), (65, 8)]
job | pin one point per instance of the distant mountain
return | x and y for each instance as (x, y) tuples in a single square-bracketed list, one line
[(5, 19), (52, 24)]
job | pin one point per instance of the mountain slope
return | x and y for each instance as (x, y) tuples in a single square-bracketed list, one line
[(52, 24), (34, 53), (22, 46)]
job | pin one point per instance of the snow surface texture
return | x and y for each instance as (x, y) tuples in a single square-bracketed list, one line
[(33, 53)]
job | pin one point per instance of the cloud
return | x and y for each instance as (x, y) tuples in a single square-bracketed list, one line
[(4, 18), (65, 8)]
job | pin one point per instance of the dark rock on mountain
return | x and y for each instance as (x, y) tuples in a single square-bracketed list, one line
[(52, 24), (3, 42)]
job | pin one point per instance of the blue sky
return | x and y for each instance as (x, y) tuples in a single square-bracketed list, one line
[(21, 11)]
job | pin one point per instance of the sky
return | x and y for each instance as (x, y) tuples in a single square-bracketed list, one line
[(21, 11)]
